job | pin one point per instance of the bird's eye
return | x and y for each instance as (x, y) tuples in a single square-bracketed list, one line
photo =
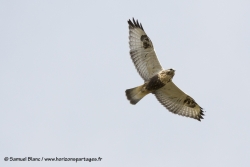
[(171, 69)]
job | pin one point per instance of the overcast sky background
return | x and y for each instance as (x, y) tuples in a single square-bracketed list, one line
[(65, 65)]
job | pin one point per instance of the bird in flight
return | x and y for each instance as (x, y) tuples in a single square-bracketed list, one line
[(157, 80)]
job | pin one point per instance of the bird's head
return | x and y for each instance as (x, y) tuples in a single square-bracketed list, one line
[(166, 75), (170, 72)]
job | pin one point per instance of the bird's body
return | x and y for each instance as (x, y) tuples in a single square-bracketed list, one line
[(156, 80)]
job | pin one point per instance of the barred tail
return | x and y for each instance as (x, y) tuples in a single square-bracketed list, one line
[(134, 95)]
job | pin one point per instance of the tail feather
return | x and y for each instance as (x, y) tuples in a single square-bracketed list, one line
[(134, 95)]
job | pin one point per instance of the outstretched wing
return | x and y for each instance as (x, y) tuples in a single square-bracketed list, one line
[(177, 102), (142, 51)]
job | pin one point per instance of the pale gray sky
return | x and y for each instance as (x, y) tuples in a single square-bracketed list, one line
[(64, 67)]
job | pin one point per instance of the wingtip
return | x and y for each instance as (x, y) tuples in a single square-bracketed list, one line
[(201, 114), (135, 23)]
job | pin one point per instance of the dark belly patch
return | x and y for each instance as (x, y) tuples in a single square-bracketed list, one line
[(154, 83)]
